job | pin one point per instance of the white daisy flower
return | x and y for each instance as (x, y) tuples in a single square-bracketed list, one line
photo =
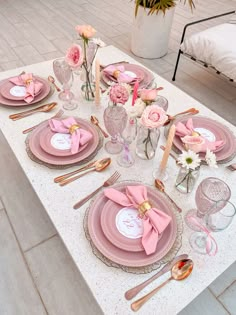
[(98, 42), (137, 109), (210, 159), (189, 159)]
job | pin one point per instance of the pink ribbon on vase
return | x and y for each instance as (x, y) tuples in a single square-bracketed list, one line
[(118, 72), (33, 86), (154, 221), (209, 238), (188, 129), (79, 136)]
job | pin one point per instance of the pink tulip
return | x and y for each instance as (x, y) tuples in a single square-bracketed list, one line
[(74, 56), (85, 31), (148, 95), (193, 143)]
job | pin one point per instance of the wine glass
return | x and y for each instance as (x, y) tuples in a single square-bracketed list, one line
[(128, 135), (209, 192), (64, 75), (115, 119), (218, 220)]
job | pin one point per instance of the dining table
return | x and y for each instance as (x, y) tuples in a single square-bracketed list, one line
[(107, 283)]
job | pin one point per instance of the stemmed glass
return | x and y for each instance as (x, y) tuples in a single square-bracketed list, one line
[(219, 218), (209, 192), (64, 75), (128, 135), (115, 119)]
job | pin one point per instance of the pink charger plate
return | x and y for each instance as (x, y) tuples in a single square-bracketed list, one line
[(45, 142), (145, 76), (109, 227), (123, 257), (34, 144), (39, 97), (220, 131)]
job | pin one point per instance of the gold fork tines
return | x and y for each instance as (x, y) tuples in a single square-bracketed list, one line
[(58, 115), (110, 181)]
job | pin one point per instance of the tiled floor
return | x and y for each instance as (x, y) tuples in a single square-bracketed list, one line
[(37, 274)]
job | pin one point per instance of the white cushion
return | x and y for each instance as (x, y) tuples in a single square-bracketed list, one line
[(216, 46)]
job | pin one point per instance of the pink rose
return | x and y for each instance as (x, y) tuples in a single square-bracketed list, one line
[(74, 56), (193, 143), (153, 116), (119, 94), (85, 31)]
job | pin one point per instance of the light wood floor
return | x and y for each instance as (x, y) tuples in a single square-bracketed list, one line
[(37, 274)]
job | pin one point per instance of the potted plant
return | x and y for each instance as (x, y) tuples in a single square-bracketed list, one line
[(151, 27)]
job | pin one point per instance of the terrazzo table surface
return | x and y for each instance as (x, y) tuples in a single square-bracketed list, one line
[(109, 284)]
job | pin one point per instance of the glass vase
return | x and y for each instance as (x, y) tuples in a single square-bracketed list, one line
[(88, 86), (147, 140), (186, 179), (115, 120)]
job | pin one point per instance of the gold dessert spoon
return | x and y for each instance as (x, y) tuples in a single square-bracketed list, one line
[(99, 166), (160, 186), (52, 80), (43, 108), (180, 271), (95, 121)]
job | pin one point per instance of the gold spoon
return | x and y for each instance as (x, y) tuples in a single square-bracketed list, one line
[(192, 111), (52, 80), (160, 185), (95, 121), (99, 166), (45, 108), (180, 271)]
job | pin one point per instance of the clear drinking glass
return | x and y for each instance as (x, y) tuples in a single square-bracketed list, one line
[(128, 135), (218, 220), (115, 119), (64, 75), (209, 192)]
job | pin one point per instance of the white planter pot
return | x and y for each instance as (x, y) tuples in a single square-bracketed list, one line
[(150, 33)]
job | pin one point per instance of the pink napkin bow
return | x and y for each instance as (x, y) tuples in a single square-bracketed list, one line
[(154, 220), (187, 129), (79, 136), (32, 85), (118, 72)]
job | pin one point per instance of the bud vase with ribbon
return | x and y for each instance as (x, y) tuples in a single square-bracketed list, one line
[(153, 117)]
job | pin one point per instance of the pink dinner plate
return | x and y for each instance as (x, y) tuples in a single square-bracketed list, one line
[(146, 77), (45, 142), (129, 258), (35, 147), (214, 128), (9, 102), (6, 87)]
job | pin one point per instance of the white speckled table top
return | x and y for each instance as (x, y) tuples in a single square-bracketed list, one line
[(107, 283)]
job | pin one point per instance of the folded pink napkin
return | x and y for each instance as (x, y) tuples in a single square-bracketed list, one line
[(154, 220), (187, 130), (79, 136), (118, 72), (32, 85)]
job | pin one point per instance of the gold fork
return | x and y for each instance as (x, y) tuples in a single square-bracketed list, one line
[(58, 115), (110, 181)]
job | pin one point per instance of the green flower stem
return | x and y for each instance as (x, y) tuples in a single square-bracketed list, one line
[(146, 141), (87, 72), (186, 177)]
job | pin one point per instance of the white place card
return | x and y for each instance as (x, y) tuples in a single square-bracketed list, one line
[(19, 91), (129, 223), (207, 134), (61, 141)]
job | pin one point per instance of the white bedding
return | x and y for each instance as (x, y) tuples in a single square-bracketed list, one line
[(216, 46)]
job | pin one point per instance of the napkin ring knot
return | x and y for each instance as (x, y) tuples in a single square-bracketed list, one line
[(73, 128), (144, 207)]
